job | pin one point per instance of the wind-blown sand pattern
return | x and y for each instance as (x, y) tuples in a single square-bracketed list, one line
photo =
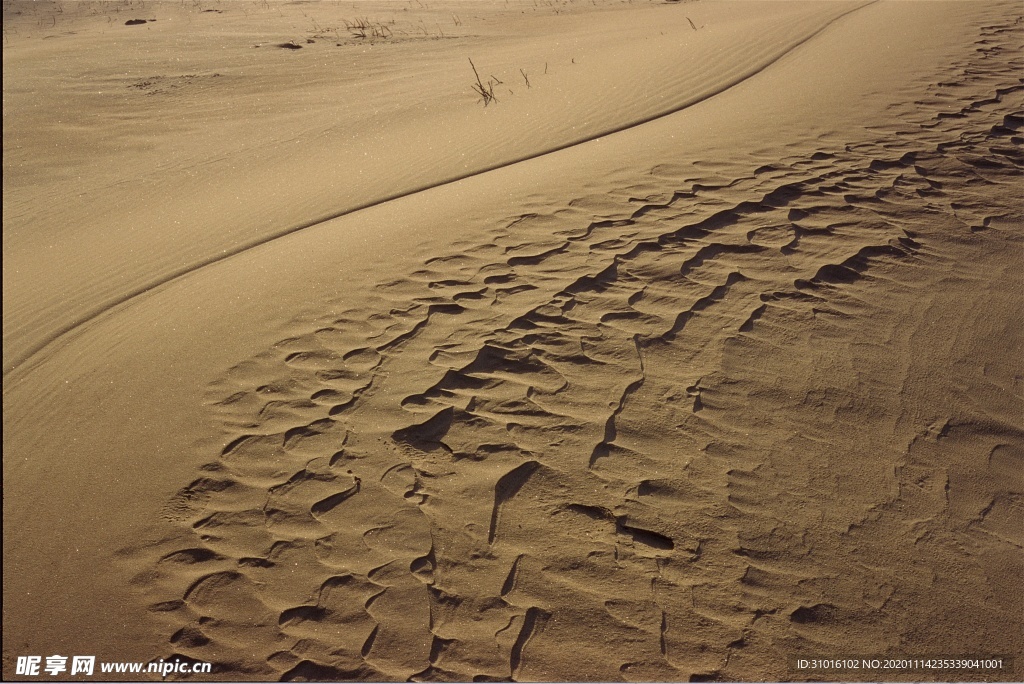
[(740, 379)]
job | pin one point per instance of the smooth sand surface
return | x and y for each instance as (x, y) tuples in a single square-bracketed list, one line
[(702, 352)]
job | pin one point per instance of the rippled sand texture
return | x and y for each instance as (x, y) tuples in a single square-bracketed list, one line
[(732, 385)]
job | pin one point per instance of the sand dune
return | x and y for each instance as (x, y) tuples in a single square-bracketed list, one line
[(308, 134), (702, 354)]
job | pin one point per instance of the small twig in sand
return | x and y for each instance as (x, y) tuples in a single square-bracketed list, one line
[(692, 25), (525, 78), (485, 91)]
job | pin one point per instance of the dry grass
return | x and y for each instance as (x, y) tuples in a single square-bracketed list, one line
[(486, 92)]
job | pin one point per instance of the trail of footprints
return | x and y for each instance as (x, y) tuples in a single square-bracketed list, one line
[(473, 526)]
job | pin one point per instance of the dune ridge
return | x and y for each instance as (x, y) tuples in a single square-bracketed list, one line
[(34, 320), (483, 468)]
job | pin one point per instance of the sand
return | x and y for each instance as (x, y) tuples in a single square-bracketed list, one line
[(697, 350)]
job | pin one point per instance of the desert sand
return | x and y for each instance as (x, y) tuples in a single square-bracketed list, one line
[(696, 349)]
